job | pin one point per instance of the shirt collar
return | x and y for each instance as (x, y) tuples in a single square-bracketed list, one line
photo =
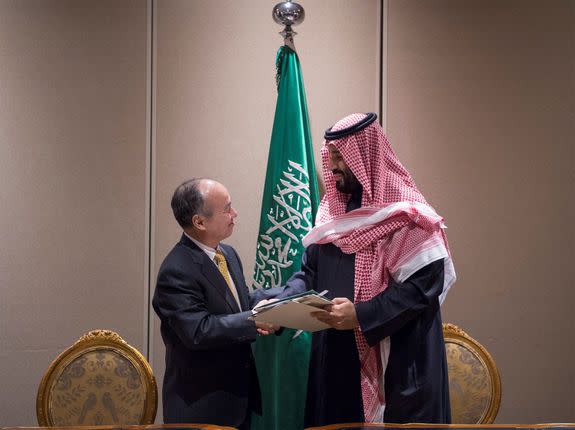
[(211, 252)]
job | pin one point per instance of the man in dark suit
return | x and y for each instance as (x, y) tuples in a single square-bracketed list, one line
[(203, 303)]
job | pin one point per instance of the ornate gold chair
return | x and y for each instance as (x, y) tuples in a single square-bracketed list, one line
[(97, 381), (474, 382)]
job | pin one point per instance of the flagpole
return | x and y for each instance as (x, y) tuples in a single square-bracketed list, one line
[(288, 13), (289, 206)]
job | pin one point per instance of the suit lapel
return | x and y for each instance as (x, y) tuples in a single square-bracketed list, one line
[(217, 280), (212, 274)]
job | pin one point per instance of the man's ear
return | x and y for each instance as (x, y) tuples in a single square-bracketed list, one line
[(198, 222)]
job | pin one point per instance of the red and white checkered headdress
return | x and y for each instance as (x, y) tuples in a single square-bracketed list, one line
[(373, 162)]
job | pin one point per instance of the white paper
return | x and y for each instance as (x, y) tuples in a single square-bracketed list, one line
[(292, 314)]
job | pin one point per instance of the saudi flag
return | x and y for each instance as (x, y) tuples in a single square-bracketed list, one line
[(289, 206)]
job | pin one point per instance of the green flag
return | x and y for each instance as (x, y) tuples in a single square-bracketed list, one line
[(289, 206)]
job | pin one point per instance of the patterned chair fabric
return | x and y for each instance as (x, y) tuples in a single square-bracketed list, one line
[(474, 382), (99, 380)]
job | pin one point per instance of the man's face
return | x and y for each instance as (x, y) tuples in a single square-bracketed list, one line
[(219, 224), (345, 180)]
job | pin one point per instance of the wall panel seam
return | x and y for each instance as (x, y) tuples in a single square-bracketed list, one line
[(383, 64), (150, 172)]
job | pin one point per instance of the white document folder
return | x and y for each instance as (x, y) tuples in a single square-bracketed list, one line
[(294, 312)]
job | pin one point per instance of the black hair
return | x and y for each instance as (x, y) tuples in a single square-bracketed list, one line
[(188, 201)]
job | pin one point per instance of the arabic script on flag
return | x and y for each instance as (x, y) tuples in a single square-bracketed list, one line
[(290, 219)]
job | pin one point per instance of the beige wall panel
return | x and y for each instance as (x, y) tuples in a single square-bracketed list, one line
[(73, 174), (481, 104), (216, 99)]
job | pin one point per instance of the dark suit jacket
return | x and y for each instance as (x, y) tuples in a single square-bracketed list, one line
[(210, 372)]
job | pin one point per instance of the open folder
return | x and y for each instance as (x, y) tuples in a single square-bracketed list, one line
[(294, 311)]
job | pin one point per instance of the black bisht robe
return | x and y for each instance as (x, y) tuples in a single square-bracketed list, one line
[(416, 381)]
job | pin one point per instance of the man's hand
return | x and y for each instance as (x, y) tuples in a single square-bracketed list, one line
[(265, 328), (341, 315)]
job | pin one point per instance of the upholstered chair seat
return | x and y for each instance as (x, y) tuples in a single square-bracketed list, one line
[(97, 381), (474, 382)]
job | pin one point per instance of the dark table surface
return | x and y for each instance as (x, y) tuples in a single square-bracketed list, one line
[(343, 426)]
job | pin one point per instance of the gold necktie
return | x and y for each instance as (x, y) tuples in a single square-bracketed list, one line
[(223, 268)]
